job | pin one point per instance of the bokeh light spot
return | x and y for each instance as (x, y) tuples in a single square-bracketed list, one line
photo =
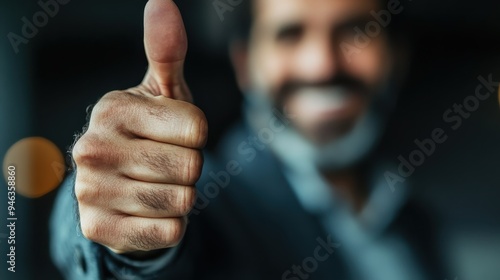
[(39, 166)]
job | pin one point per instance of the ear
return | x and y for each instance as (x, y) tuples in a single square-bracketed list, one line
[(238, 52)]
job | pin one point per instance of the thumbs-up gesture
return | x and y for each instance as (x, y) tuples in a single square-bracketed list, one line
[(139, 159)]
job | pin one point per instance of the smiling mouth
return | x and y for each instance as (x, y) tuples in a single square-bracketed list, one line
[(328, 103)]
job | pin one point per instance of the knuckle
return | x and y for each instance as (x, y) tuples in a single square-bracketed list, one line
[(193, 167), (82, 193), (90, 150), (84, 150), (110, 108), (90, 231), (90, 190), (103, 110), (93, 231)]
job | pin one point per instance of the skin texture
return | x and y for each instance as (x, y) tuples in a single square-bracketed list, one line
[(300, 41), (139, 159)]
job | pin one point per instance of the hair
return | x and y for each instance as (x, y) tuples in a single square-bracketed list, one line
[(240, 22)]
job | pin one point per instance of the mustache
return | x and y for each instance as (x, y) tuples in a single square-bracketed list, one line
[(341, 80)]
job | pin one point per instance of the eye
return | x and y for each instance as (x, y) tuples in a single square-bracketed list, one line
[(290, 34), (347, 31)]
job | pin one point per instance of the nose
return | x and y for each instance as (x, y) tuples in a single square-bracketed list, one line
[(316, 60)]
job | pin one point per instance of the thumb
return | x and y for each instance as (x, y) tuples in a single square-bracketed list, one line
[(165, 43)]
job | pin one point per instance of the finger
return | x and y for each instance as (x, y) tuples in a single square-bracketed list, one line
[(154, 200), (153, 162), (160, 119), (134, 198), (140, 159), (145, 234), (128, 233), (165, 42), (147, 200)]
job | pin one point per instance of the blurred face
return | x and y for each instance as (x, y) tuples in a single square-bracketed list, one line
[(295, 59)]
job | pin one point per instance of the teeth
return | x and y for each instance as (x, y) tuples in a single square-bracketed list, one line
[(322, 99)]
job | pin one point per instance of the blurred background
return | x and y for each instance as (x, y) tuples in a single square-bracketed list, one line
[(91, 47)]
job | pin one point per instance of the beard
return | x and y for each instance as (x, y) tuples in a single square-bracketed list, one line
[(353, 139)]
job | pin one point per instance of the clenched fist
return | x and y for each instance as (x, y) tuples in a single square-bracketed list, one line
[(139, 159)]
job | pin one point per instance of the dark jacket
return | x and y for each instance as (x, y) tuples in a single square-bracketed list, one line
[(251, 227)]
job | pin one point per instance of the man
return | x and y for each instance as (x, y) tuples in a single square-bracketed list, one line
[(294, 192)]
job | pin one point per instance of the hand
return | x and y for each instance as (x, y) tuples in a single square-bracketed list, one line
[(139, 159)]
